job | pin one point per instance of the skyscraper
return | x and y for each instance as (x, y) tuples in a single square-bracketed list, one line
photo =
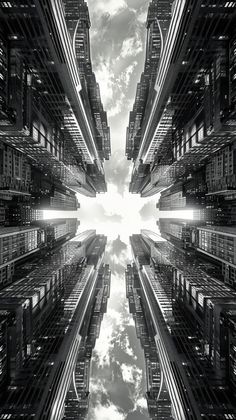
[(77, 400), (192, 316), (189, 113), (18, 244), (51, 115), (210, 234), (47, 329), (158, 400), (218, 243)]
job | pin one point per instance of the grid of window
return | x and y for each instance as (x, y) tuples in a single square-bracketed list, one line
[(59, 293), (17, 243), (218, 244)]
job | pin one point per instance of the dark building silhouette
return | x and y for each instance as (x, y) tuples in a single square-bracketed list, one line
[(19, 243), (210, 234), (51, 115), (48, 194), (77, 400), (189, 114), (158, 19), (54, 138), (49, 321), (21, 213), (158, 400), (192, 314)]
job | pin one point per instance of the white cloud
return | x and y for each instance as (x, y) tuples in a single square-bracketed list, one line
[(112, 327), (118, 107), (131, 46), (115, 316), (127, 73), (149, 211), (128, 349), (107, 6), (130, 322), (127, 206), (106, 79), (142, 403), (142, 17), (131, 373), (117, 288), (104, 343), (112, 86), (120, 260), (96, 386), (107, 413)]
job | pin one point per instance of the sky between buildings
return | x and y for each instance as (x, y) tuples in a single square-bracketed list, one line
[(117, 43), (118, 37)]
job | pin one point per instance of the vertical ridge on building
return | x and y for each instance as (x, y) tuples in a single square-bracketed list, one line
[(50, 319), (50, 107), (184, 111), (191, 314)]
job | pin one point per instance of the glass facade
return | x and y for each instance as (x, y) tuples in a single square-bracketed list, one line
[(189, 115), (48, 118), (45, 318), (192, 316)]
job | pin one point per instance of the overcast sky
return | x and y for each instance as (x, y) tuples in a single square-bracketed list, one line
[(117, 38)]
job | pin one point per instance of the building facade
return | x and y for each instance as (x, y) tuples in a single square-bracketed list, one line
[(47, 329), (193, 318), (157, 396), (77, 399), (190, 114), (50, 119), (20, 243), (218, 243), (15, 244)]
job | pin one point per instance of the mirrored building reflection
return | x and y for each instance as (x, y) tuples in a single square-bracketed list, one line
[(183, 116), (50, 319), (192, 317), (52, 122)]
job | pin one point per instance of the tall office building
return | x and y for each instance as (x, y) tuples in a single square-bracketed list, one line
[(189, 115), (58, 230), (49, 322), (192, 315), (15, 172), (158, 20), (178, 231), (211, 232), (157, 396), (25, 191), (48, 194), (77, 400), (19, 212), (196, 193), (221, 173), (185, 194), (78, 23), (51, 115), (218, 243), (18, 244)]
